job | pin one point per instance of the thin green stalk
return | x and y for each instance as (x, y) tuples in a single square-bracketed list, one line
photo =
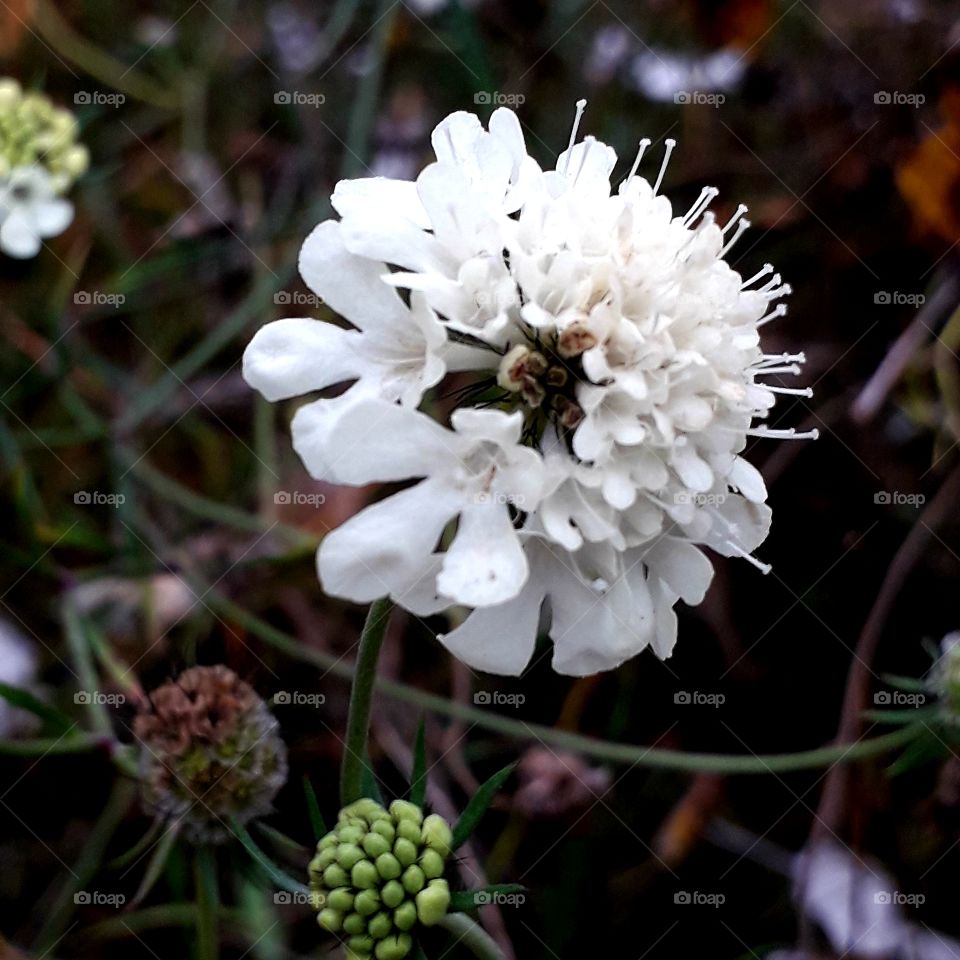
[(471, 935), (208, 904), (52, 746), (622, 753), (82, 660), (86, 867), (361, 696)]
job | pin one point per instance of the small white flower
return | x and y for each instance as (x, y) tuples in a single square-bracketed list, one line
[(622, 354), (30, 211)]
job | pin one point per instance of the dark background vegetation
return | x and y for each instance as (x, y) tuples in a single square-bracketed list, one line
[(201, 190)]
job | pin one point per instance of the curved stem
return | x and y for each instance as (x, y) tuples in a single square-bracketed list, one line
[(625, 753), (361, 696), (470, 934)]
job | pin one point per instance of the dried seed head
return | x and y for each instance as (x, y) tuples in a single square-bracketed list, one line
[(210, 751)]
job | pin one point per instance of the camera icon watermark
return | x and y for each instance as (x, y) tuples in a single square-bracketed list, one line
[(296, 298), (898, 98), (298, 498), (497, 698), (96, 498), (307, 898), (496, 98), (699, 97), (899, 698), (297, 698), (298, 98), (98, 698), (899, 899), (699, 499), (98, 98), (486, 898), (501, 499), (898, 499), (898, 298), (97, 298), (97, 898), (697, 698), (697, 898)]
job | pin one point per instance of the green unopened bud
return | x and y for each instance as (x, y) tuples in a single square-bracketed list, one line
[(335, 876), (405, 852), (392, 893), (364, 875), (385, 829), (349, 854), (330, 840), (380, 926), (433, 902), (404, 810), (361, 944), (413, 879), (330, 919), (9, 92), (354, 924), (367, 902), (341, 899), (388, 866), (409, 831), (348, 834), (375, 845), (395, 947), (324, 858), (405, 916), (437, 835), (431, 863)]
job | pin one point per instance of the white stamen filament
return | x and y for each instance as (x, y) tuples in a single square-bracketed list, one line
[(740, 211), (769, 433), (791, 368), (742, 227), (792, 391), (642, 146), (706, 197), (668, 144), (767, 269), (778, 311), (581, 106)]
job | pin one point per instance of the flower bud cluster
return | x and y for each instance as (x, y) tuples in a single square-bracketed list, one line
[(33, 132), (378, 874)]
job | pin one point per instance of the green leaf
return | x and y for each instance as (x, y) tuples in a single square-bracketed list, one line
[(313, 809), (464, 900), (418, 781), (909, 715), (478, 806), (905, 683), (921, 751), (158, 860), (280, 878), (57, 722)]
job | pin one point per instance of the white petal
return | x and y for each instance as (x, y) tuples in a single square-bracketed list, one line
[(499, 639), (372, 441), (291, 357), (379, 194), (685, 569), (350, 285), (747, 479), (53, 216), (373, 553), (18, 237), (485, 564), (454, 137)]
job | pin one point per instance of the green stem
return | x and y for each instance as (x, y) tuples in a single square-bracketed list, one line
[(208, 904), (361, 695), (624, 753), (470, 934)]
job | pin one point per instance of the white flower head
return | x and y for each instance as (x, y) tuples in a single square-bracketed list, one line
[(30, 211), (39, 160), (610, 374)]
